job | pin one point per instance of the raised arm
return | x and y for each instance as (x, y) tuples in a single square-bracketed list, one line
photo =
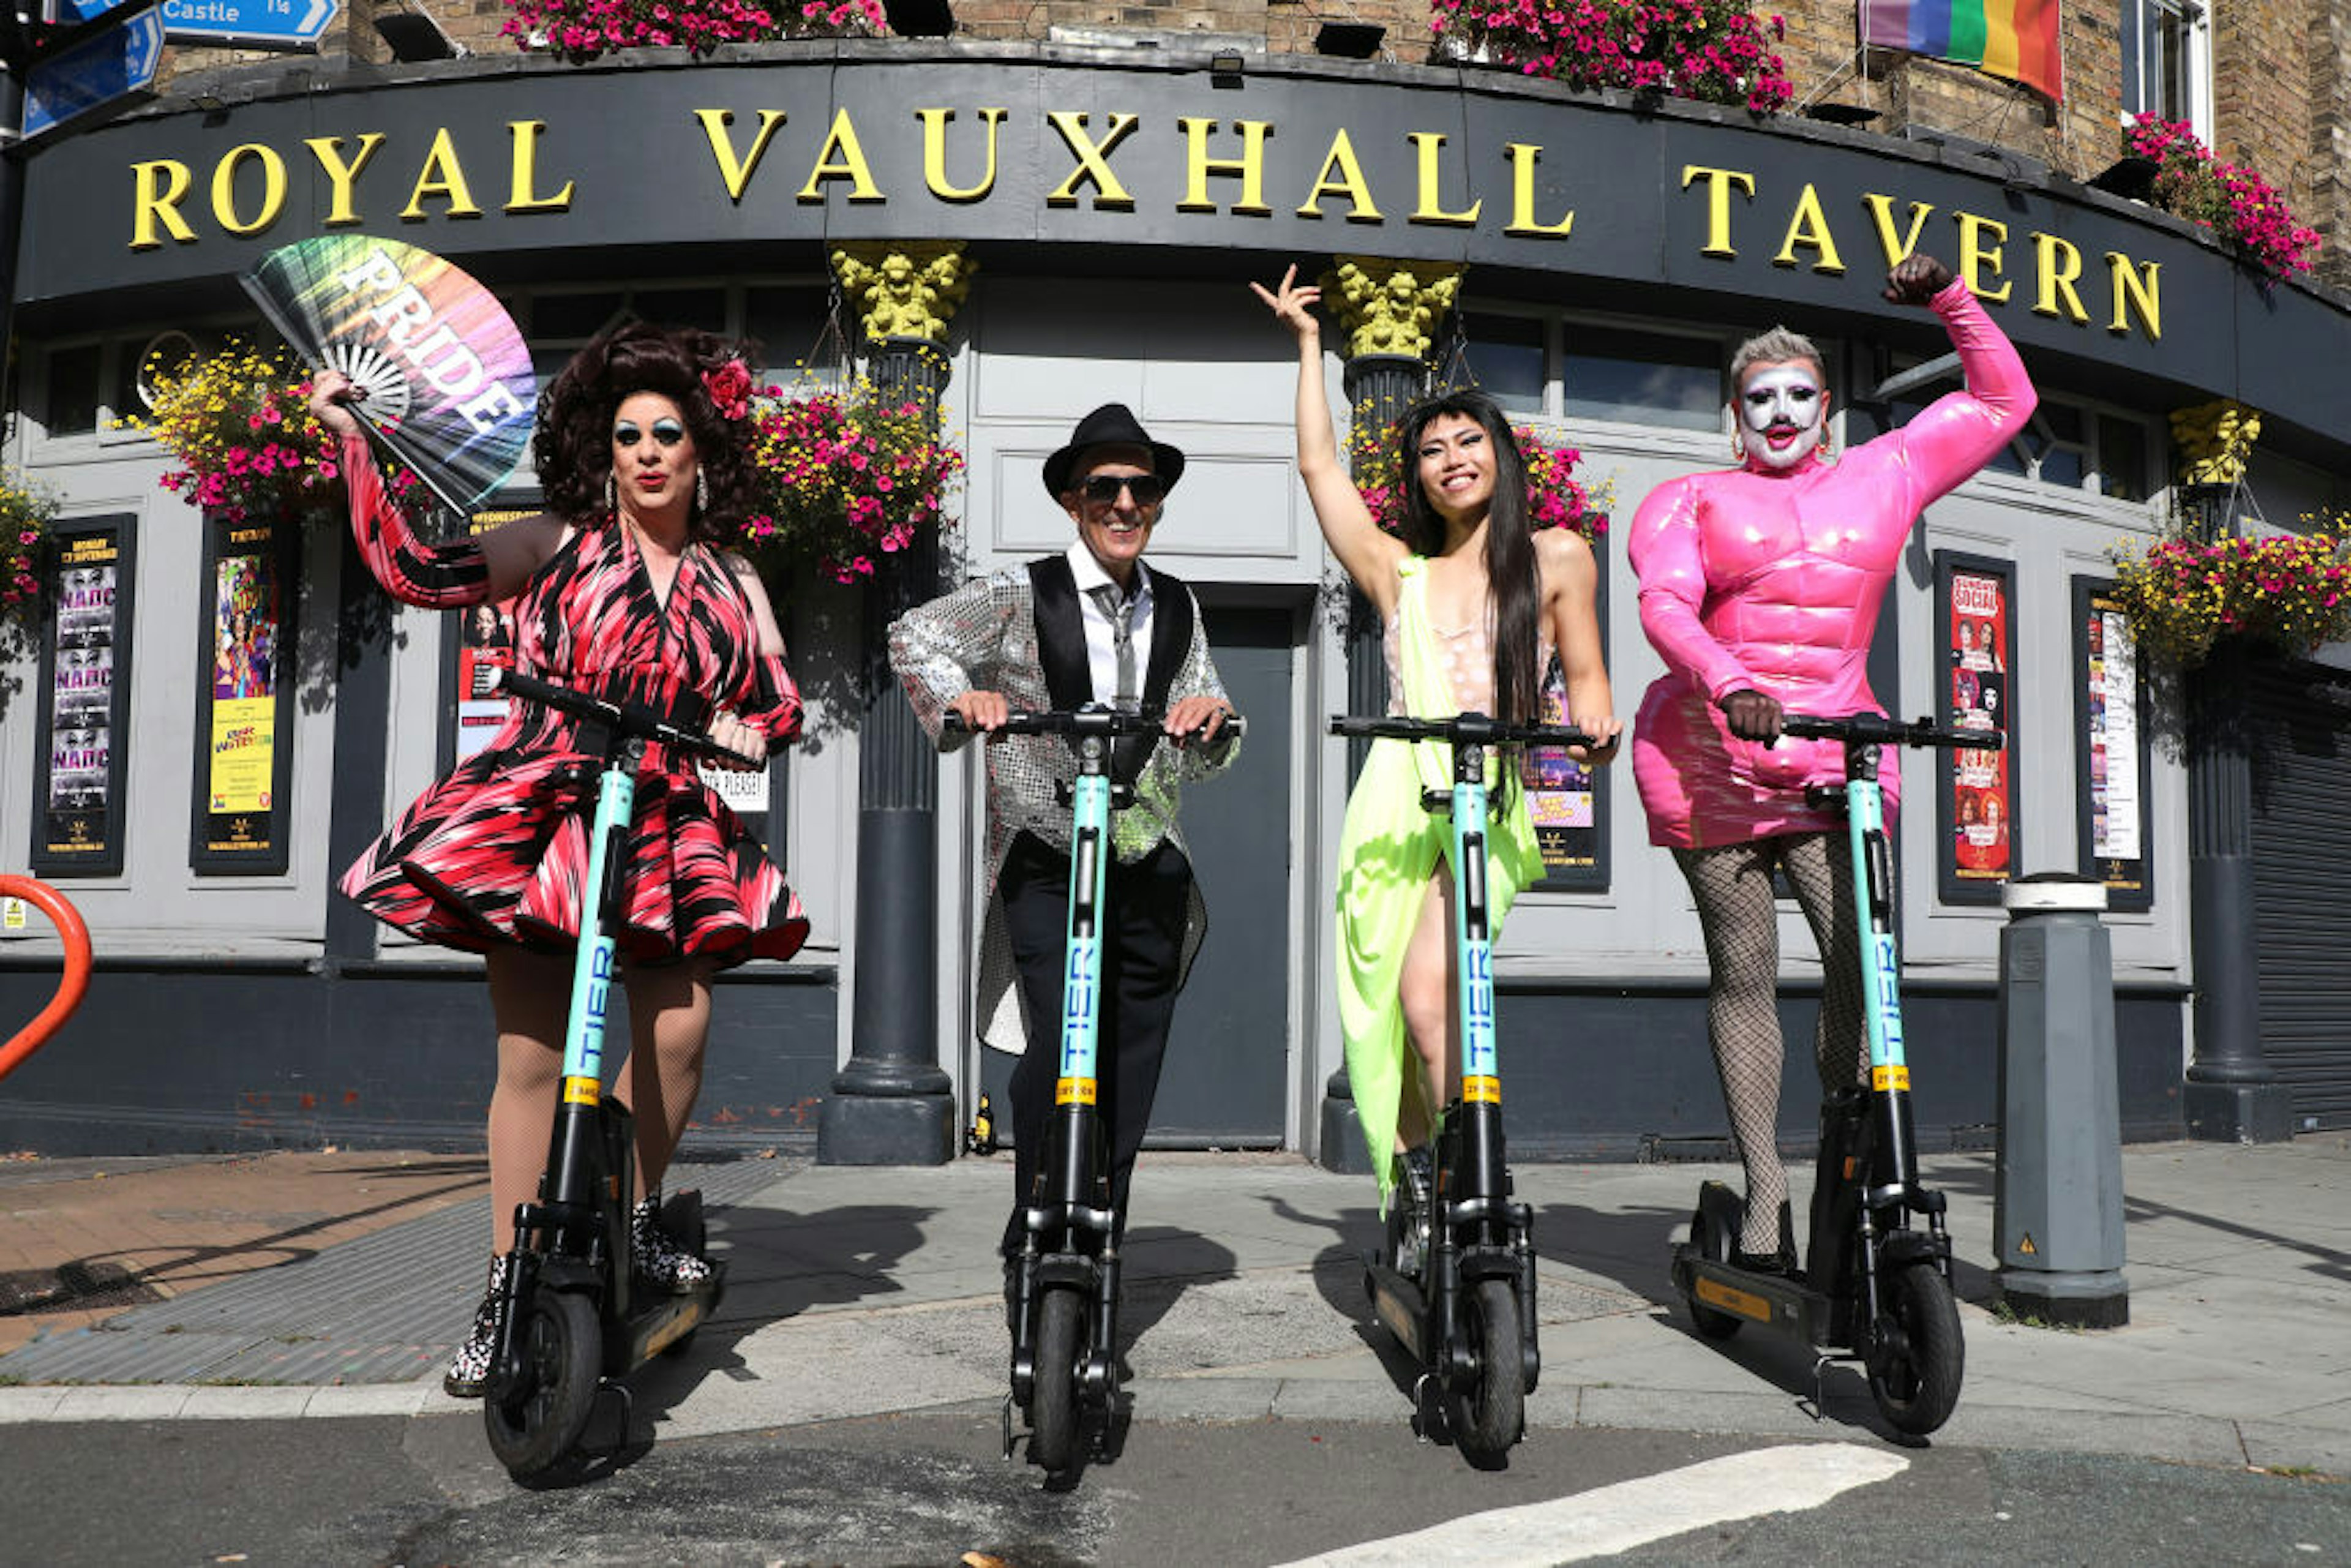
[(1960, 432), (493, 565), (1368, 554)]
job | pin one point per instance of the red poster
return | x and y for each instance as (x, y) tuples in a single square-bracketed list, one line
[(1982, 684)]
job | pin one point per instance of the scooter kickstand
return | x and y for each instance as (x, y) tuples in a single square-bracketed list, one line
[(1420, 1407), (1007, 1416)]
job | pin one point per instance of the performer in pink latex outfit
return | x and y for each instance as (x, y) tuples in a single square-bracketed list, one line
[(1760, 586)]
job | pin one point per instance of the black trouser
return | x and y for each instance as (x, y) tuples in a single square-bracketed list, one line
[(1142, 946)]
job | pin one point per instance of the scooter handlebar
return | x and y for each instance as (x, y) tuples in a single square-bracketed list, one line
[(625, 719), (1877, 729), (1106, 721), (1461, 729)]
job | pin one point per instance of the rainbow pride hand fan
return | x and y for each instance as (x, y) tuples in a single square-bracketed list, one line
[(448, 379)]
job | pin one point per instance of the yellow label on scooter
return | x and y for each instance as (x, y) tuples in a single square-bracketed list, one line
[(1482, 1091), (582, 1091), (1074, 1092), (1894, 1077), (1730, 1298)]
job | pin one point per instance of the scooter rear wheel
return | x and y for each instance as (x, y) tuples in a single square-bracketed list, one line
[(1490, 1415), (1053, 1409), (1708, 1241), (1917, 1357), (538, 1424)]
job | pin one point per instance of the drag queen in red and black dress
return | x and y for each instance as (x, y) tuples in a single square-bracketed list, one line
[(619, 588)]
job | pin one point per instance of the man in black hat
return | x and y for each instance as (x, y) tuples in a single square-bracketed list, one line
[(1091, 625)]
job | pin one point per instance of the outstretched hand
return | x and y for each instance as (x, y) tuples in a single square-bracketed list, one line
[(331, 395), (1916, 279), (1292, 303)]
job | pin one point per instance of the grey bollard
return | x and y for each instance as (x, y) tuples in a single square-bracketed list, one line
[(2057, 1215)]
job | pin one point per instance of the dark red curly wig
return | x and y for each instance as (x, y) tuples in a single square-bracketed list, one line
[(573, 442)]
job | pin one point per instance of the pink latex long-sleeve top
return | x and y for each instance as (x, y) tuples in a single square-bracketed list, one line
[(1752, 578)]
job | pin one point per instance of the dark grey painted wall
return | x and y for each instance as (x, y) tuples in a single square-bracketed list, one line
[(178, 1058)]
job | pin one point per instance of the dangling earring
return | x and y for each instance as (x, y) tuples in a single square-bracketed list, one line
[(1828, 438), (612, 495), (702, 491), (1737, 444)]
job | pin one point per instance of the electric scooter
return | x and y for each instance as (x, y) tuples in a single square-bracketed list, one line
[(1456, 1285), (1064, 1304), (571, 1316), (1876, 1288)]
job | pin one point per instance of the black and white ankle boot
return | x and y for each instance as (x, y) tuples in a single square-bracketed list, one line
[(469, 1368), (660, 1262)]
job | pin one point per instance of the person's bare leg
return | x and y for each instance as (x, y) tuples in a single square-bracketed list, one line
[(669, 1028), (1427, 993), (529, 996)]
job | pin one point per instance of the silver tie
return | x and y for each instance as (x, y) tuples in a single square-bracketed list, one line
[(1119, 608)]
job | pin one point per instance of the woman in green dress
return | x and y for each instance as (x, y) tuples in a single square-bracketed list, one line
[(1474, 603)]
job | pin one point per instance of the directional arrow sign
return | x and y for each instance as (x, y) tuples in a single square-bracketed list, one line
[(104, 74), (250, 23)]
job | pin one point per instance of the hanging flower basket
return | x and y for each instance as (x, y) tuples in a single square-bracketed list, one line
[(1715, 51), (849, 480), (578, 31), (25, 515), (2184, 596), (238, 422), (2236, 203), (1556, 497)]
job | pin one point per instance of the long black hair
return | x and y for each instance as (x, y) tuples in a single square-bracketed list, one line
[(1513, 582), (573, 443)]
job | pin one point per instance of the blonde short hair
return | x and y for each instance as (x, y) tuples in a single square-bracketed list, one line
[(1771, 348)]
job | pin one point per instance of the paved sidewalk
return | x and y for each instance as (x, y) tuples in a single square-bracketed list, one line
[(856, 1292)]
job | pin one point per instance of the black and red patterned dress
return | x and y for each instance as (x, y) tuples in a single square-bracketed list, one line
[(496, 852)]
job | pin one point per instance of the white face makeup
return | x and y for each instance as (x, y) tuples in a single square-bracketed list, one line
[(1783, 411)]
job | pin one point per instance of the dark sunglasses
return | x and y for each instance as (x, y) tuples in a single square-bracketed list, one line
[(1104, 489)]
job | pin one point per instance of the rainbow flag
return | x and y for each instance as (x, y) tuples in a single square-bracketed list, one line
[(2012, 39)]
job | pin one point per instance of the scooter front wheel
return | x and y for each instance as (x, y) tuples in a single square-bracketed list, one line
[(538, 1423), (1915, 1357), (1489, 1414), (1053, 1410)]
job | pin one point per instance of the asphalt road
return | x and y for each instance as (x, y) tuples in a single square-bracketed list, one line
[(927, 1489)]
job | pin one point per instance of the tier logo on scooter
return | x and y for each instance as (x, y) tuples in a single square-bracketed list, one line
[(1078, 1006)]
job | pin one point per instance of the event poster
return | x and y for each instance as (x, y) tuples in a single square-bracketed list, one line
[(1564, 799), (1975, 622), (2110, 731), (85, 686), (247, 648)]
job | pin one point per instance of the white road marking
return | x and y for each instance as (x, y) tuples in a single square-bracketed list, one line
[(1633, 1513)]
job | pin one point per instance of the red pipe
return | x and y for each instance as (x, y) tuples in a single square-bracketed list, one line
[(76, 937)]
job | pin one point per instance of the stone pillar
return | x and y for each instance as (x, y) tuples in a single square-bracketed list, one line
[(892, 1105), (1389, 311)]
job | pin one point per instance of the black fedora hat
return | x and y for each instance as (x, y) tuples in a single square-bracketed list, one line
[(1110, 425)]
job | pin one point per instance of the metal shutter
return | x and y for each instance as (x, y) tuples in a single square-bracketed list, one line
[(2302, 881)]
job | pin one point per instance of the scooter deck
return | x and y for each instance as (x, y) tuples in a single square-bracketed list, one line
[(1401, 1306), (1770, 1301), (669, 1319)]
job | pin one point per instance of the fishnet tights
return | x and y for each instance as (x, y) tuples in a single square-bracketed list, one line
[(1732, 885)]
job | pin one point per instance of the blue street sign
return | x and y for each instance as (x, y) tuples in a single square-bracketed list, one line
[(250, 24), (100, 74), (72, 13)]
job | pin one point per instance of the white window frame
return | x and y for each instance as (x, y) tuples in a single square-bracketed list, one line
[(2196, 59)]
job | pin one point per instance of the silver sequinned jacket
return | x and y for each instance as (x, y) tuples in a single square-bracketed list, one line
[(986, 636)]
